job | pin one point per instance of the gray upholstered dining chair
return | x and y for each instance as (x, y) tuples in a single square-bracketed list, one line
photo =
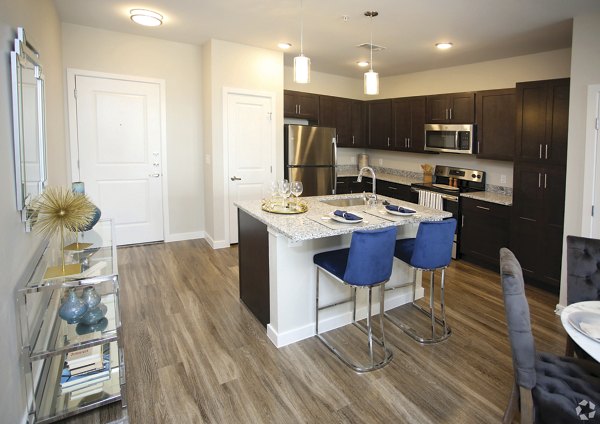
[(547, 388), (583, 277)]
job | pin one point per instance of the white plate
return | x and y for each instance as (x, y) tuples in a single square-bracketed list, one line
[(575, 318), (344, 220), (400, 213)]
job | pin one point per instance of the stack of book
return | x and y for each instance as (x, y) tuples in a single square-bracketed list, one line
[(84, 371)]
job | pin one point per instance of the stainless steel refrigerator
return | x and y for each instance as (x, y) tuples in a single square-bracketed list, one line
[(310, 157)]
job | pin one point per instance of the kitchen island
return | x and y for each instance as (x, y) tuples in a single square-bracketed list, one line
[(277, 274)]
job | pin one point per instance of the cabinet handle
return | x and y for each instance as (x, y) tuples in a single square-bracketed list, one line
[(483, 207), (450, 110), (527, 219), (388, 142), (545, 180), (392, 188), (462, 223), (352, 139), (478, 148), (408, 141), (546, 151), (539, 180), (540, 151), (447, 113), (299, 109)]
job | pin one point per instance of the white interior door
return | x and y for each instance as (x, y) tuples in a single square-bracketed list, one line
[(250, 137), (119, 147)]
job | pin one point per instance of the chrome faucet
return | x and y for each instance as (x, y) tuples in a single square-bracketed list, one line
[(360, 175)]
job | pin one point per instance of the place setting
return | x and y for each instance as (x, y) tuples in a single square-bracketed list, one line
[(585, 318), (340, 218), (392, 212)]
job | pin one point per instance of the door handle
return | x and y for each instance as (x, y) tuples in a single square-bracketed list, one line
[(234, 178), (154, 175)]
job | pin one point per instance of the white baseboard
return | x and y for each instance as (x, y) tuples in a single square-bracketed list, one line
[(216, 244), (185, 236)]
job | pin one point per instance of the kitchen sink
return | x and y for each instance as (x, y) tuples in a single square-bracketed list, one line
[(352, 201)]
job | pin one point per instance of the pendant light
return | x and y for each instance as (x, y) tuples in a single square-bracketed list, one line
[(371, 77), (301, 63)]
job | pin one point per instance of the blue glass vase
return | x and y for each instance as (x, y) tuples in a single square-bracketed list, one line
[(91, 297), (73, 308), (93, 315)]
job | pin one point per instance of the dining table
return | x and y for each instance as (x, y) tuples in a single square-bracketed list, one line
[(581, 321)]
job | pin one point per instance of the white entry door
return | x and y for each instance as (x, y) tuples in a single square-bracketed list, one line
[(119, 153), (250, 138)]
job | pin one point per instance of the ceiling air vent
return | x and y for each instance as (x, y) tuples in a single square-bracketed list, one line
[(367, 46)]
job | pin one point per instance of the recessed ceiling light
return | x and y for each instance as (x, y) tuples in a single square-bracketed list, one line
[(145, 17), (443, 46), (362, 63), (284, 46)]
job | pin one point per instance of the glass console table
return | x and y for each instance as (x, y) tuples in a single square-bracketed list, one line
[(47, 340)]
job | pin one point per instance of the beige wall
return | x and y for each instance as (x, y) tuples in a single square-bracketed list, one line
[(585, 71), (243, 67), (17, 247), (322, 83), (180, 66)]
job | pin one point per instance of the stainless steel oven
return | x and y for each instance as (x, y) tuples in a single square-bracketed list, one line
[(449, 182)]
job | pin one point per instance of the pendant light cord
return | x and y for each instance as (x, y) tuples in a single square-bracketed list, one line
[(371, 25), (301, 29)]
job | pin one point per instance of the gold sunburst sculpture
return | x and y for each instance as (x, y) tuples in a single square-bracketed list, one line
[(59, 209)]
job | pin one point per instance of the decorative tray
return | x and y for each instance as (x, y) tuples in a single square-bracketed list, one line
[(290, 209)]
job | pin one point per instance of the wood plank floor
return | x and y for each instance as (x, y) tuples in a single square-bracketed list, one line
[(195, 354)]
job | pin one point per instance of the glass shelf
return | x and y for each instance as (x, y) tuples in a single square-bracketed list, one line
[(98, 260), (60, 336), (55, 405)]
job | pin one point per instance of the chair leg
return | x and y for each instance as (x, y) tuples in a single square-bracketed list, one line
[(370, 327), (430, 312), (513, 405)]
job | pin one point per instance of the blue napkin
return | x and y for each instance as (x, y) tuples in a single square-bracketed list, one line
[(347, 215), (400, 209)]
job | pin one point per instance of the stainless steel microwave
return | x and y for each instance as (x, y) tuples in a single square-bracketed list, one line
[(451, 138)]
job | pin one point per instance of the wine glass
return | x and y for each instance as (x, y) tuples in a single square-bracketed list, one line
[(296, 190), (284, 191)]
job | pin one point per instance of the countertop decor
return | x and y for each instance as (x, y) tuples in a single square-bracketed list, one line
[(57, 210)]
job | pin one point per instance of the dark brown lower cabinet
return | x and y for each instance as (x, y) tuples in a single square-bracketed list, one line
[(395, 190), (484, 230), (253, 250), (537, 222), (348, 185)]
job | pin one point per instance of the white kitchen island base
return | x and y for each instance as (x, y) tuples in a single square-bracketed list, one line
[(278, 276), (292, 288)]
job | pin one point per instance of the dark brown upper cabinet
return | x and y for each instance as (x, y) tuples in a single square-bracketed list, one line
[(495, 118), (542, 121), (409, 123), (453, 108), (301, 105), (380, 124), (347, 116)]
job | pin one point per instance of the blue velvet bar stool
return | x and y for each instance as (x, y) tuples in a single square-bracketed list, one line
[(430, 250), (366, 264)]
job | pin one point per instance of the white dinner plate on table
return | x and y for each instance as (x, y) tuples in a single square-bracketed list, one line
[(583, 320), (344, 220), (401, 213)]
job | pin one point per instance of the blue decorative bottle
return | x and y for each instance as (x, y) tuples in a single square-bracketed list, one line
[(72, 308)]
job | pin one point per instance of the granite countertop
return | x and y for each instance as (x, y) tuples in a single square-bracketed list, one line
[(315, 223), (489, 196)]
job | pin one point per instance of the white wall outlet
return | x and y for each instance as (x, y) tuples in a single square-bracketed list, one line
[(502, 179), (380, 162)]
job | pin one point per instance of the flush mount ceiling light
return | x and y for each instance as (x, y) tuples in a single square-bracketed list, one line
[(301, 63), (371, 77), (284, 46), (362, 63), (443, 46), (145, 17)]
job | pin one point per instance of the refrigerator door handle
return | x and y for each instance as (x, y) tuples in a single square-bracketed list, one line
[(334, 185)]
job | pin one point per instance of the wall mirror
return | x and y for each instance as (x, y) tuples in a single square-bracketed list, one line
[(29, 123)]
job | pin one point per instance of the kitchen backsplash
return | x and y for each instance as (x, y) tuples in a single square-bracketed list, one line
[(353, 169)]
